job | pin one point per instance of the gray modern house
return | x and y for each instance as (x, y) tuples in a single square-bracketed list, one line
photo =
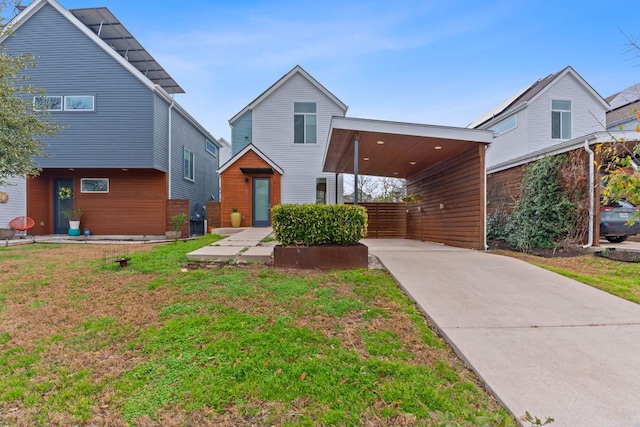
[(126, 148)]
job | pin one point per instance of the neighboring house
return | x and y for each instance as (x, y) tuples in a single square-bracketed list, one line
[(624, 107), (13, 202), (126, 147), (278, 142), (553, 110), (559, 114), (225, 150)]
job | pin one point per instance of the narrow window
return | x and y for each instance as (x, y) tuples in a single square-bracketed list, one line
[(47, 103), (560, 119), (78, 103), (94, 185), (321, 191), (304, 123), (188, 165), (505, 125), (211, 148)]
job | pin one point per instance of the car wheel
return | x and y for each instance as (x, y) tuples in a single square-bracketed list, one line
[(616, 239)]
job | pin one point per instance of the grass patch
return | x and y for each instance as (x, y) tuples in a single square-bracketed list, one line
[(153, 345), (621, 279)]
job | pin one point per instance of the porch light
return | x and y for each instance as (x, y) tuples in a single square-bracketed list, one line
[(380, 142), (366, 158), (437, 147), (412, 163)]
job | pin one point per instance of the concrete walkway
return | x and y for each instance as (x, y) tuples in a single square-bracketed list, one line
[(541, 342), (240, 244)]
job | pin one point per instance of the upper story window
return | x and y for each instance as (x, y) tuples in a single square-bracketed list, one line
[(505, 125), (47, 103), (210, 147), (78, 103), (189, 167), (304, 123), (560, 119), (66, 103)]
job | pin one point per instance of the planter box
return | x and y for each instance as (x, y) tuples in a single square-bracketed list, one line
[(322, 257)]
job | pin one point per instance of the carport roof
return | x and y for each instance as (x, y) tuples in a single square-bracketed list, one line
[(395, 149)]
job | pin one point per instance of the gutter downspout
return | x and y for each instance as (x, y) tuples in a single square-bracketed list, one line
[(170, 141), (591, 195), (486, 246)]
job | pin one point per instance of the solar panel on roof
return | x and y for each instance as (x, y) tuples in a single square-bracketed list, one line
[(103, 23)]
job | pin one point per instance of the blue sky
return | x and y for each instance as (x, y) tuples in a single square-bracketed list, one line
[(435, 62)]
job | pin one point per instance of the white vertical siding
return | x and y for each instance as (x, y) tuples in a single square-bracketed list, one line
[(16, 188), (273, 134)]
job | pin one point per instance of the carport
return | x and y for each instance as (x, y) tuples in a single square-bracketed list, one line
[(444, 166)]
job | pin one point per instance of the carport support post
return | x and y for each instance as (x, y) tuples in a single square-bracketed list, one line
[(355, 170)]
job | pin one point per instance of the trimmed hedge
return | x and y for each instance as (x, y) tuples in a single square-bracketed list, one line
[(314, 224)]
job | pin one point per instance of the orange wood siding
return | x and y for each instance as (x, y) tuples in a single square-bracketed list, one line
[(236, 188), (458, 185), (134, 205), (386, 220), (213, 214), (39, 195)]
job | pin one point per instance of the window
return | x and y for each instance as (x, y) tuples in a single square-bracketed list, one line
[(94, 185), (188, 165), (304, 123), (505, 125), (78, 103), (560, 119), (321, 191), (47, 103), (210, 147)]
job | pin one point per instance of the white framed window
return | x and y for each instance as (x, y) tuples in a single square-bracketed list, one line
[(560, 119), (47, 103), (189, 167), (211, 148), (79, 103), (505, 125), (305, 123), (94, 185)]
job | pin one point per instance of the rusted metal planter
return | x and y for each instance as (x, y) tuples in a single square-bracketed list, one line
[(321, 257)]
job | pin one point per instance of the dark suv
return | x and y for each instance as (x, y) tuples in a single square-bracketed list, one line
[(614, 219)]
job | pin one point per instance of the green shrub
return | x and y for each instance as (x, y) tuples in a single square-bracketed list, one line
[(314, 224), (544, 215)]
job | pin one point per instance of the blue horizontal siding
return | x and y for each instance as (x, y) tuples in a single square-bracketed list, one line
[(120, 132)]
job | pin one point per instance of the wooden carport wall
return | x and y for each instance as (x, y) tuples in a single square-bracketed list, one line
[(444, 163)]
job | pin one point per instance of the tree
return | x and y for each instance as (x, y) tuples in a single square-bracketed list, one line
[(392, 189), (367, 188), (21, 128), (621, 179)]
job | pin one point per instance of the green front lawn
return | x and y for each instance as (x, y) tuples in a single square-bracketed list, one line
[(86, 342)]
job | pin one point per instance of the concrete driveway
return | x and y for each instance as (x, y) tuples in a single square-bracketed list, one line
[(541, 342)]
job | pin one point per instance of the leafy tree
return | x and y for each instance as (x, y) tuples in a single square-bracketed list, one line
[(620, 180), (21, 128)]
